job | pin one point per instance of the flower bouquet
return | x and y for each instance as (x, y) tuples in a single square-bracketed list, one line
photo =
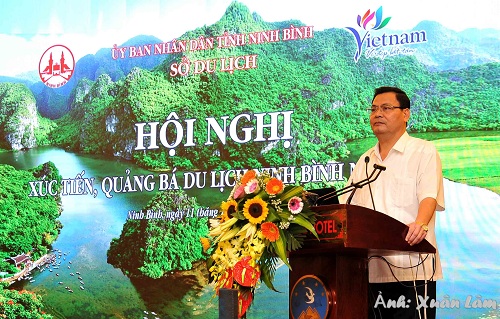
[(261, 221)]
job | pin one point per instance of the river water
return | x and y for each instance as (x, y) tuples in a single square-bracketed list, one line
[(89, 224)]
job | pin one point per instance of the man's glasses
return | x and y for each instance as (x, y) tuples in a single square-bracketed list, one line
[(385, 108)]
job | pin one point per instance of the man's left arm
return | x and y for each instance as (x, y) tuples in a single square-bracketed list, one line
[(430, 188), (417, 230)]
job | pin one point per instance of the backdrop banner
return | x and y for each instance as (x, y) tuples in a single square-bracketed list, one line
[(124, 126)]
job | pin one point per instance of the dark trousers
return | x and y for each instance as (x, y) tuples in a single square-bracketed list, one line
[(398, 300)]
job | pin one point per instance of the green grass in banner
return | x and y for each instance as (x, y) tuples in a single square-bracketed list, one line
[(469, 157), (472, 160)]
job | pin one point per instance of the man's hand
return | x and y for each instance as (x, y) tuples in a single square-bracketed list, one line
[(418, 229), (416, 233)]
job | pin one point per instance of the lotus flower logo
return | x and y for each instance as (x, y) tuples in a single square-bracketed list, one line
[(373, 20), (382, 45), (369, 21)]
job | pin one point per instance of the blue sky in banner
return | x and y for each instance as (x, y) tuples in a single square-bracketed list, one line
[(28, 27)]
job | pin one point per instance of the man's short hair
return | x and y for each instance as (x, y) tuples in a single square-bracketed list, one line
[(401, 96)]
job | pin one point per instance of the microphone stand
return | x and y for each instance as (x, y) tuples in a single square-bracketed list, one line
[(354, 186)]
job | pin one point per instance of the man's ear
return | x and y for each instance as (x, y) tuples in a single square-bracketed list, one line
[(407, 114)]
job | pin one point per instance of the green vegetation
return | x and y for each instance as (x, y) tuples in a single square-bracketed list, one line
[(461, 101), (43, 130), (469, 157), (16, 106), (314, 78), (472, 160), (20, 123), (27, 224), (156, 247), (21, 305), (14, 97)]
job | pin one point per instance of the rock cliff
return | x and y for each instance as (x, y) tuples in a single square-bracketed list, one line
[(18, 117)]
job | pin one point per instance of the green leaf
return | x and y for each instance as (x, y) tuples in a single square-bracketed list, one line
[(280, 248), (268, 269), (384, 23), (272, 215), (289, 192), (300, 220)]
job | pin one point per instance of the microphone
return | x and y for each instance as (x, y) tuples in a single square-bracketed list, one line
[(378, 169), (367, 159), (360, 185)]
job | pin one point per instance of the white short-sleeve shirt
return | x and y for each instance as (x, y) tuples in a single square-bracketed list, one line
[(413, 172)]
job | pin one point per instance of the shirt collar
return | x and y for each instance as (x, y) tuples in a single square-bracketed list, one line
[(401, 143), (399, 146)]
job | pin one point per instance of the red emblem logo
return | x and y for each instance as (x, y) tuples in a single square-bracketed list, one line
[(56, 66)]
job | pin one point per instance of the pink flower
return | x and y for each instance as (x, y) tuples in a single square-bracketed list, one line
[(252, 186), (295, 205), (239, 192)]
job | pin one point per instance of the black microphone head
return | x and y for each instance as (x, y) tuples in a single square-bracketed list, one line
[(367, 159), (380, 167)]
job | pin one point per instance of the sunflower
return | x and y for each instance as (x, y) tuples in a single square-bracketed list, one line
[(261, 220), (255, 210), (274, 186), (270, 231), (228, 209)]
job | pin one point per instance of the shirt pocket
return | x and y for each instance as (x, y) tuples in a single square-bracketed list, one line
[(403, 191)]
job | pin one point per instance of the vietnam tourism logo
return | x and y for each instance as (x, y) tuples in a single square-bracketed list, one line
[(56, 66), (386, 44)]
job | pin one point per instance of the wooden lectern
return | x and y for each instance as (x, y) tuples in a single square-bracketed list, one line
[(348, 234)]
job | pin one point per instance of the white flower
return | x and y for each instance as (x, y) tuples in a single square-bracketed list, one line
[(284, 225)]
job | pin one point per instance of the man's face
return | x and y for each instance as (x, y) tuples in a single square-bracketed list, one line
[(390, 122)]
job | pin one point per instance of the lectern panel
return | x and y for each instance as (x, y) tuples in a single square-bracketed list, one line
[(348, 235)]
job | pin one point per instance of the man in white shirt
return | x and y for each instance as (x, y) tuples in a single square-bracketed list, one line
[(410, 190)]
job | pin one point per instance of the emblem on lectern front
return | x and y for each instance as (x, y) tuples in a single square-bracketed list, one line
[(309, 299), (309, 295)]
